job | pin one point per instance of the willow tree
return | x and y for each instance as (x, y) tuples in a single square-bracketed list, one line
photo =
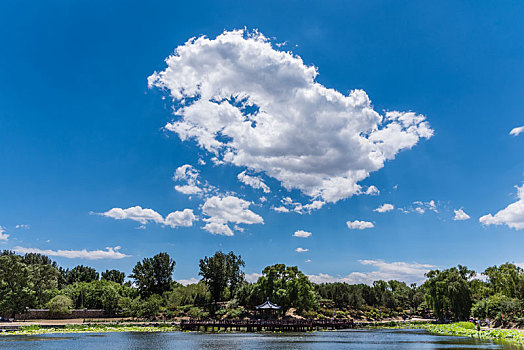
[(448, 293)]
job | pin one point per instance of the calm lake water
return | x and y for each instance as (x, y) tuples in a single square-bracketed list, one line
[(351, 339)]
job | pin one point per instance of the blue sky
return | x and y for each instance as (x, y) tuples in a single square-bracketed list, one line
[(83, 137)]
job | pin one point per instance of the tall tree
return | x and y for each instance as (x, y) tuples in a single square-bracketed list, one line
[(114, 276), (221, 271), (448, 293), (154, 275), (287, 286), (82, 273), (506, 279), (16, 290)]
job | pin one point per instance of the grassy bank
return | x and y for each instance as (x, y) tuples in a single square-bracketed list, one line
[(37, 330), (465, 330)]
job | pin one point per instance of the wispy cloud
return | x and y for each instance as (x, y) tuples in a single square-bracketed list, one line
[(188, 281), (144, 216), (3, 236), (109, 253), (253, 181), (401, 271), (252, 277)]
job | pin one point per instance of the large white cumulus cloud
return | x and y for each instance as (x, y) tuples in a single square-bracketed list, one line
[(256, 107), (512, 215)]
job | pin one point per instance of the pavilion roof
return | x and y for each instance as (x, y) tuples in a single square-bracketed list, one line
[(267, 305)]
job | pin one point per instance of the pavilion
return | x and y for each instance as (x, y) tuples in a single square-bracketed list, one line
[(268, 309)]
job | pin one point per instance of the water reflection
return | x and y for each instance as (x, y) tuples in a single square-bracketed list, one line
[(351, 339)]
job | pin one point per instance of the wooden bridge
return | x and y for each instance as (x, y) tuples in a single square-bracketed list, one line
[(264, 325)]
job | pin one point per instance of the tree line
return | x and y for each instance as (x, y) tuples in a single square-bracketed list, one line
[(35, 281)]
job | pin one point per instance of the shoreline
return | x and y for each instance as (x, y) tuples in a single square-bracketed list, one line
[(515, 336)]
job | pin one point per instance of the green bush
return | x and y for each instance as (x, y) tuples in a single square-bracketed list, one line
[(60, 305)]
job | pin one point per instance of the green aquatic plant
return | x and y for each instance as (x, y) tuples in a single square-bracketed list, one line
[(458, 329), (37, 330), (467, 325)]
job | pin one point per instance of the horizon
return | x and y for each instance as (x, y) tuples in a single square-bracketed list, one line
[(370, 152)]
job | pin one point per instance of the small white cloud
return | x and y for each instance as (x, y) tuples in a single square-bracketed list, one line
[(420, 210), (517, 131), (136, 213), (183, 218), (3, 236), (359, 225), (253, 181), (512, 215), (187, 173), (223, 210), (301, 233), (400, 271), (109, 253), (301, 250), (308, 260), (460, 215), (385, 208), (372, 191), (188, 281), (26, 227)]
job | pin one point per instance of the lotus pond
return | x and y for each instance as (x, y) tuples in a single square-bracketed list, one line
[(120, 338)]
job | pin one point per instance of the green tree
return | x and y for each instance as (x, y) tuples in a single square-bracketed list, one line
[(448, 294), (82, 273), (114, 276), (16, 290), (222, 271), (496, 305), (506, 279), (192, 294), (154, 275), (286, 286), (60, 305), (43, 274)]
